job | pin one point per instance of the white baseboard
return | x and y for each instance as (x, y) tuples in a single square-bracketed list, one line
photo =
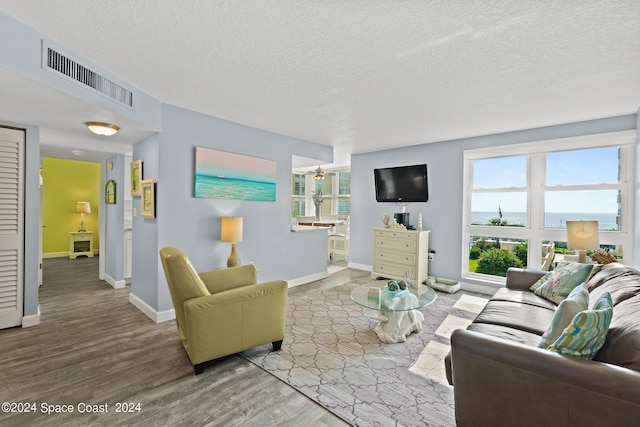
[(55, 254), (307, 279), (115, 284), (32, 320), (482, 289), (150, 312), (357, 266)]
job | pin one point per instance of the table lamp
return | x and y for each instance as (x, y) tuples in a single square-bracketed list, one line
[(582, 235), (82, 208), (231, 231)]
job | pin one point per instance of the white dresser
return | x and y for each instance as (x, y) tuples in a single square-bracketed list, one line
[(398, 251)]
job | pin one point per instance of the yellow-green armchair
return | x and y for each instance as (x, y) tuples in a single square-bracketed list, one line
[(222, 312)]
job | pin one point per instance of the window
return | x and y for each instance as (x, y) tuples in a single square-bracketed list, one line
[(344, 194), (334, 189), (298, 191), (520, 196)]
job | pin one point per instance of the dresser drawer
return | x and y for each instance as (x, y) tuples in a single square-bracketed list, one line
[(81, 237), (392, 270), (395, 257), (390, 244), (405, 235)]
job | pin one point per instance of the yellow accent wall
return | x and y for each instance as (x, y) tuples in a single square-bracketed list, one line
[(66, 182)]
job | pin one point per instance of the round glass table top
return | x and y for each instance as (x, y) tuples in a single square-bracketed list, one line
[(373, 295)]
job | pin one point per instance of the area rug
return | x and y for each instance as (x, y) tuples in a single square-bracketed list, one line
[(332, 355)]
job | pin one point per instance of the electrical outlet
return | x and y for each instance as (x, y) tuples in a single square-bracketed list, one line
[(431, 254), (135, 212)]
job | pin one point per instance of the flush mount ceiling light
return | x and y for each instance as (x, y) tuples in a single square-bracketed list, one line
[(105, 129)]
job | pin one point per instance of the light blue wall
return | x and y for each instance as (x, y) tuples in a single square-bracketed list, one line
[(31, 219), (145, 269), (443, 213), (114, 221), (193, 224)]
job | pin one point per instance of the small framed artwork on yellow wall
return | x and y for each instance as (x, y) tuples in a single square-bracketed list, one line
[(136, 177), (148, 191)]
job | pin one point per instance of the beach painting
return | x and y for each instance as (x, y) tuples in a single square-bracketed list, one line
[(224, 175)]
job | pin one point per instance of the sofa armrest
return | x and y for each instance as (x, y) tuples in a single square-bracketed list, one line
[(521, 279), (230, 321), (499, 382)]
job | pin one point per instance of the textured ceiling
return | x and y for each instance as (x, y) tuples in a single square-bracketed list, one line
[(363, 75)]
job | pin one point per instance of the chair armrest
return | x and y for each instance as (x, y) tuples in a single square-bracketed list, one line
[(235, 295), (229, 278), (521, 279), (499, 382)]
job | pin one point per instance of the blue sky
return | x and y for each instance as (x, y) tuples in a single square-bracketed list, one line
[(591, 166)]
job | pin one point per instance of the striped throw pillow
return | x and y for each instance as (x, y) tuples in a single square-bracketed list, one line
[(587, 332)]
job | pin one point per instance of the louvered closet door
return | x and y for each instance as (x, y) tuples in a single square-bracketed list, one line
[(11, 226)]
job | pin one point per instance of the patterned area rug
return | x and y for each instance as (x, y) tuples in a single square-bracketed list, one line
[(332, 354)]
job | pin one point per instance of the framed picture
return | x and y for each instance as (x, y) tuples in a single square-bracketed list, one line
[(110, 192), (136, 177), (148, 194), (223, 175)]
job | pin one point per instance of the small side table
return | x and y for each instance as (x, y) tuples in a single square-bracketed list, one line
[(80, 243)]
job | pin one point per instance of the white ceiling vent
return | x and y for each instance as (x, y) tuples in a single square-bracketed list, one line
[(56, 61)]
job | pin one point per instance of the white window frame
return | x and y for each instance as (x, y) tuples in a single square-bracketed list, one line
[(534, 231)]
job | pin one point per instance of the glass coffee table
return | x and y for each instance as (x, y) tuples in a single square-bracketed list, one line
[(397, 311)]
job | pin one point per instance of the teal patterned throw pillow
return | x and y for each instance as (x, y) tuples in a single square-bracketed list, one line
[(577, 301), (587, 332), (540, 282), (563, 279)]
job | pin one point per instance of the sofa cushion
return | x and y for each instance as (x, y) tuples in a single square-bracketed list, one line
[(587, 332), (524, 317), (622, 346), (620, 281), (577, 301), (524, 297), (608, 273), (506, 333), (564, 278)]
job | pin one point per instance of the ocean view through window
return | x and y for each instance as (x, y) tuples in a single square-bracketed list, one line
[(553, 220)]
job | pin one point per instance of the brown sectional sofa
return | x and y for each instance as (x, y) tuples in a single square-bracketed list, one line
[(501, 377)]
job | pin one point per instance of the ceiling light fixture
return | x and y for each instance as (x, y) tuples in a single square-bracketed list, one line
[(105, 129)]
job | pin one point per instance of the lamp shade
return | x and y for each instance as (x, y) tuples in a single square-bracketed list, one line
[(582, 235), (105, 129), (83, 207), (231, 230)]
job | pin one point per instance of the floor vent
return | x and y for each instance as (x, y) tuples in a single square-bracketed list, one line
[(70, 68)]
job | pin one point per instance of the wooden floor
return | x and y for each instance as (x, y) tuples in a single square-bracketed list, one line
[(94, 348)]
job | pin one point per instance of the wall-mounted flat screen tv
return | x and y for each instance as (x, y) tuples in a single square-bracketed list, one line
[(402, 184)]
